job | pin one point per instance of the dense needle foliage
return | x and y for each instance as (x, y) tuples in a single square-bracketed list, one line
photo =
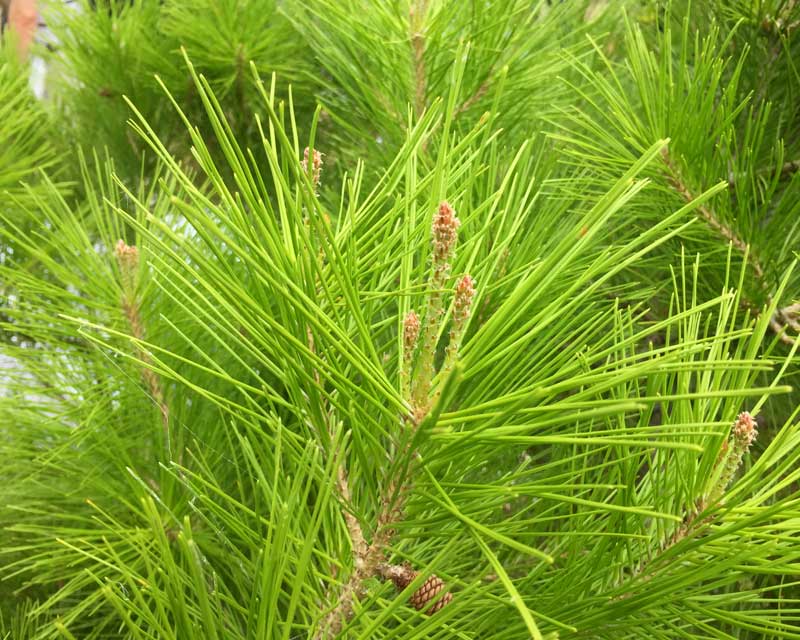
[(404, 319)]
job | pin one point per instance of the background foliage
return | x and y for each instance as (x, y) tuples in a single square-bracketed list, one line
[(199, 434)]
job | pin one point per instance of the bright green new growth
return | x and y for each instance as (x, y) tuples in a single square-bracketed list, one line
[(734, 448), (245, 398)]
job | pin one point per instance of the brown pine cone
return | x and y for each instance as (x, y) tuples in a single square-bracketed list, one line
[(403, 575), (428, 592)]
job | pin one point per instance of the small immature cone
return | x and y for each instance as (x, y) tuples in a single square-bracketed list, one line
[(428, 592), (127, 255), (743, 433), (403, 575), (462, 307), (316, 166), (444, 234)]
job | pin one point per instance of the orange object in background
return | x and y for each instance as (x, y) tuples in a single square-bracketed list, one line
[(23, 20)]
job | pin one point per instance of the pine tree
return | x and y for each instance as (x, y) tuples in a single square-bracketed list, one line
[(413, 319)]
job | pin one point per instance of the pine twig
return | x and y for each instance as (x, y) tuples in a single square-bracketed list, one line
[(788, 169), (786, 318), (342, 483), (128, 260), (780, 320), (411, 329), (791, 315), (462, 308), (780, 25), (332, 623), (708, 215), (742, 435), (444, 236), (474, 98), (369, 557), (353, 525)]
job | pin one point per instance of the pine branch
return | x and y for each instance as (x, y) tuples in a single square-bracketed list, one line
[(357, 540), (369, 558), (782, 319), (312, 165), (677, 182), (444, 236), (128, 260), (787, 170), (474, 98), (743, 434)]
